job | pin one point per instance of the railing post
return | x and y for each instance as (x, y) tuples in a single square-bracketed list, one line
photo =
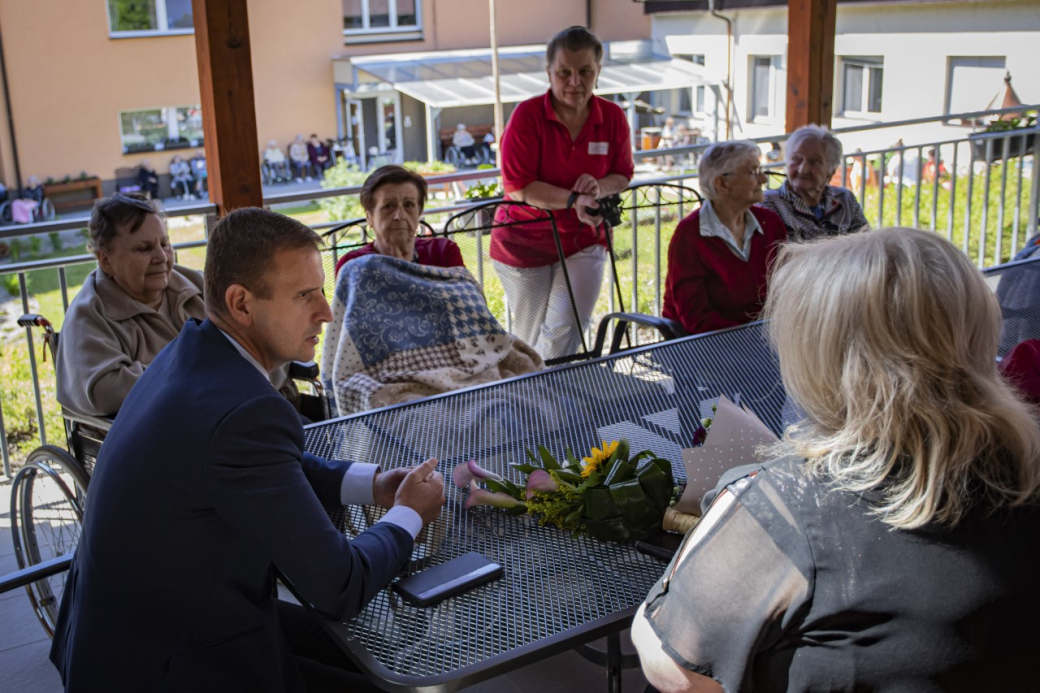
[(1034, 199), (24, 290)]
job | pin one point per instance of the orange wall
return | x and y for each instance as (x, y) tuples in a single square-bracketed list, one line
[(68, 80)]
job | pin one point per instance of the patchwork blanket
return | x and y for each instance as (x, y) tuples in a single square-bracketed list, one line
[(402, 331)]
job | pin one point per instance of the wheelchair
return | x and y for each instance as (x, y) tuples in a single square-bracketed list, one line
[(457, 158), (48, 496), (43, 212)]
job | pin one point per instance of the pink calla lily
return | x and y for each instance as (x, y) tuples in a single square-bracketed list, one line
[(540, 481), (482, 497), (465, 472)]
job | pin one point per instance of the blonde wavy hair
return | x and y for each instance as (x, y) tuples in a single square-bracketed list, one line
[(888, 341)]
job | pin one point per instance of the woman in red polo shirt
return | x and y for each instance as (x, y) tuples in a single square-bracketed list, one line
[(393, 199), (720, 255), (562, 151)]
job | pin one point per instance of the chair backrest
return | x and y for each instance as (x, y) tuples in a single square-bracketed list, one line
[(471, 229), (126, 179), (347, 237), (639, 249)]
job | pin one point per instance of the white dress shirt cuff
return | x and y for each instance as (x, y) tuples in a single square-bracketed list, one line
[(405, 518), (356, 488)]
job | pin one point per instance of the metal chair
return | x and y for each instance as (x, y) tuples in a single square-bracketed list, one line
[(473, 227), (48, 496), (649, 215)]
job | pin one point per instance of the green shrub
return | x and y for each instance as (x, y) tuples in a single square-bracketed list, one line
[(429, 168), (342, 175)]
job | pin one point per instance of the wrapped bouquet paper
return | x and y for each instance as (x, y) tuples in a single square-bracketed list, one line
[(735, 436), (608, 495)]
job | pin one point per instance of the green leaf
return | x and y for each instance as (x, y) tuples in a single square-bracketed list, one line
[(572, 461), (505, 486), (621, 471), (634, 504), (657, 485), (525, 468), (621, 451), (568, 476), (547, 459), (612, 529), (599, 505), (534, 459)]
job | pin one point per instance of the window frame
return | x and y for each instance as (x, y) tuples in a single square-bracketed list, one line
[(771, 98), (171, 115), (370, 34), (162, 22), (868, 64)]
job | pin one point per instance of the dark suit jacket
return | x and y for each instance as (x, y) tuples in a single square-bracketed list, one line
[(201, 486)]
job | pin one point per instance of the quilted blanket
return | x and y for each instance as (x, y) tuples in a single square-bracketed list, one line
[(402, 331)]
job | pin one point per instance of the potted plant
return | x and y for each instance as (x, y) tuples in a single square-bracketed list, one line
[(1007, 147)]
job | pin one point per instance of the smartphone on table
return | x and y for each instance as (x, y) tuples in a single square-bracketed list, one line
[(433, 585)]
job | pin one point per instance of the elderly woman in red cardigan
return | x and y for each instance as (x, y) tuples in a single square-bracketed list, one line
[(720, 254)]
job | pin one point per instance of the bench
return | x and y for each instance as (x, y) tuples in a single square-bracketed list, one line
[(75, 193)]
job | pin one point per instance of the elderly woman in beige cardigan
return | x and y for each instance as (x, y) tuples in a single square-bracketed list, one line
[(129, 308)]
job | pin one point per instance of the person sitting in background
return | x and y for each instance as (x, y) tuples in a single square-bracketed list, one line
[(319, 155), (809, 206), (935, 167), (198, 172), (33, 190), (277, 166), (720, 255), (181, 180), (393, 199), (148, 180), (299, 159), (27, 200), (462, 139), (129, 308), (891, 546)]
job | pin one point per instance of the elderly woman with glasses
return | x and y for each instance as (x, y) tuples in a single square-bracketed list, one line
[(128, 309), (720, 255), (809, 206)]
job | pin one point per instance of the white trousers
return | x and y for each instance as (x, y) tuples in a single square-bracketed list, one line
[(540, 306)]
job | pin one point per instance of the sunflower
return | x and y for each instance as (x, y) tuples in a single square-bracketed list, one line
[(597, 457)]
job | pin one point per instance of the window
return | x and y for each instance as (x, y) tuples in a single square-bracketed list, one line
[(861, 85), (155, 129), (136, 17), (366, 21), (695, 58), (972, 83), (763, 87), (700, 99)]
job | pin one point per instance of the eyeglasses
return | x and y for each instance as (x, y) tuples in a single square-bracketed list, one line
[(754, 173)]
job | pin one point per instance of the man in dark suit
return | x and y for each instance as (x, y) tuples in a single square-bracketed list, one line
[(202, 488)]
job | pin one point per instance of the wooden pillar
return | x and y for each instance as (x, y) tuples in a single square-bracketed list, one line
[(228, 106), (810, 62)]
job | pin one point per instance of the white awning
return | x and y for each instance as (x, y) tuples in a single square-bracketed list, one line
[(463, 78)]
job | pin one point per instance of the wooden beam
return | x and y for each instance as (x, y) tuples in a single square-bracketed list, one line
[(228, 106), (810, 62)]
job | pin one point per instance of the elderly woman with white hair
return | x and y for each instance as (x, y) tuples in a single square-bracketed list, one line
[(720, 255), (892, 544), (809, 206)]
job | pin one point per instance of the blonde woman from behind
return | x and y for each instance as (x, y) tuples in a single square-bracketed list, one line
[(892, 543)]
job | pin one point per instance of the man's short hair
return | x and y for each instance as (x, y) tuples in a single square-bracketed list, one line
[(242, 247)]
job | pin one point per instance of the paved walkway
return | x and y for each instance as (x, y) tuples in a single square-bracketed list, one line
[(24, 646)]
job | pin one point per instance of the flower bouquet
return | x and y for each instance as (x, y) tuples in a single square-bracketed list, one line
[(608, 495)]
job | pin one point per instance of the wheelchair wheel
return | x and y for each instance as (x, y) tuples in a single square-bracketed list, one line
[(6, 214), (46, 517), (454, 156), (45, 211)]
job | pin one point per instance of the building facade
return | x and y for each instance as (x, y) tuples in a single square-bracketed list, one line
[(98, 85), (894, 61)]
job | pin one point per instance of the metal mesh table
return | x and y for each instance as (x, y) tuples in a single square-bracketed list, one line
[(558, 590)]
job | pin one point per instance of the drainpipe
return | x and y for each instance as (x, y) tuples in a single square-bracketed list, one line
[(10, 121), (588, 14), (729, 67)]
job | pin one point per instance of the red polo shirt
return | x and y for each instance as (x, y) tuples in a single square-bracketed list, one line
[(536, 146), (435, 252), (708, 287)]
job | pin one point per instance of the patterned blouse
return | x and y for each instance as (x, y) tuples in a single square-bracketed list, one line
[(838, 213)]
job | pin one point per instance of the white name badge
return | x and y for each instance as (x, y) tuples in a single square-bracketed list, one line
[(599, 148)]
